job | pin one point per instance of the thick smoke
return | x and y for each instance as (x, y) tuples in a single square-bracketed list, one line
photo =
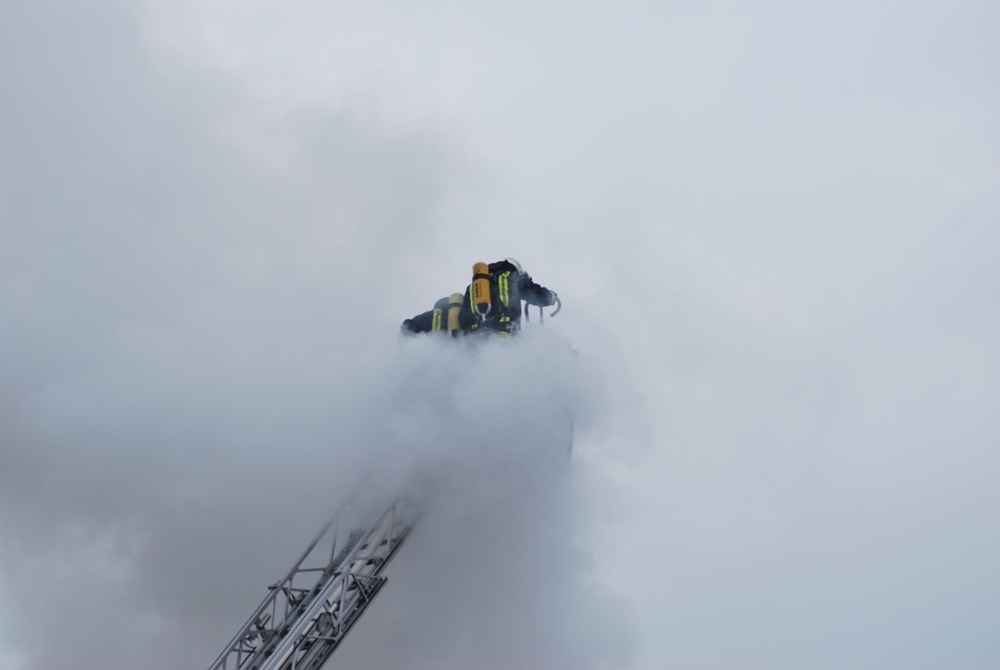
[(493, 575), (200, 303), (774, 230)]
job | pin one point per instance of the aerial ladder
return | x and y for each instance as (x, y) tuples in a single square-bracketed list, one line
[(306, 615)]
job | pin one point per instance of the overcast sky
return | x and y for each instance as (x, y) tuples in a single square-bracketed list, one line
[(775, 229)]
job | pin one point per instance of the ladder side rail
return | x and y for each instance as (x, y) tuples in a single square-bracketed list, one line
[(291, 640), (290, 624), (367, 582), (284, 586), (331, 631), (325, 642)]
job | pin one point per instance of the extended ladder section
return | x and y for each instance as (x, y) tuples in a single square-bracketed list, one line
[(306, 615)]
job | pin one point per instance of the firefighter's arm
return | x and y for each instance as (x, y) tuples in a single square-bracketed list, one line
[(535, 294), (421, 323)]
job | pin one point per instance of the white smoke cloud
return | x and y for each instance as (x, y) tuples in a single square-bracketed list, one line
[(494, 575), (200, 361), (774, 232)]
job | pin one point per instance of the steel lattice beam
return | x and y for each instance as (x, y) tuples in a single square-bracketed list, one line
[(307, 614)]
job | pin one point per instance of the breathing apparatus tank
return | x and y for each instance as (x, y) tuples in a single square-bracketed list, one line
[(439, 315), (454, 307), (481, 290)]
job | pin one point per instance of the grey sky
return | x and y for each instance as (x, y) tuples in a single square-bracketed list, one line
[(774, 228)]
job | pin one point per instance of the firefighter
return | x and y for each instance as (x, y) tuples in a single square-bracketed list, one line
[(443, 319), (493, 300)]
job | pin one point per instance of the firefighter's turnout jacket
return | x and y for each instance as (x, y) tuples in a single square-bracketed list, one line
[(431, 321), (508, 288), (442, 319)]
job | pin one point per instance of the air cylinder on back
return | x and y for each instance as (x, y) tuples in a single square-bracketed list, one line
[(481, 289), (454, 307)]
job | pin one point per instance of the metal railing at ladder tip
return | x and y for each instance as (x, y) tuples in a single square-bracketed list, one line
[(541, 312)]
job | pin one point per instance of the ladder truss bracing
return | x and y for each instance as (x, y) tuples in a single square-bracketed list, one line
[(306, 615)]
